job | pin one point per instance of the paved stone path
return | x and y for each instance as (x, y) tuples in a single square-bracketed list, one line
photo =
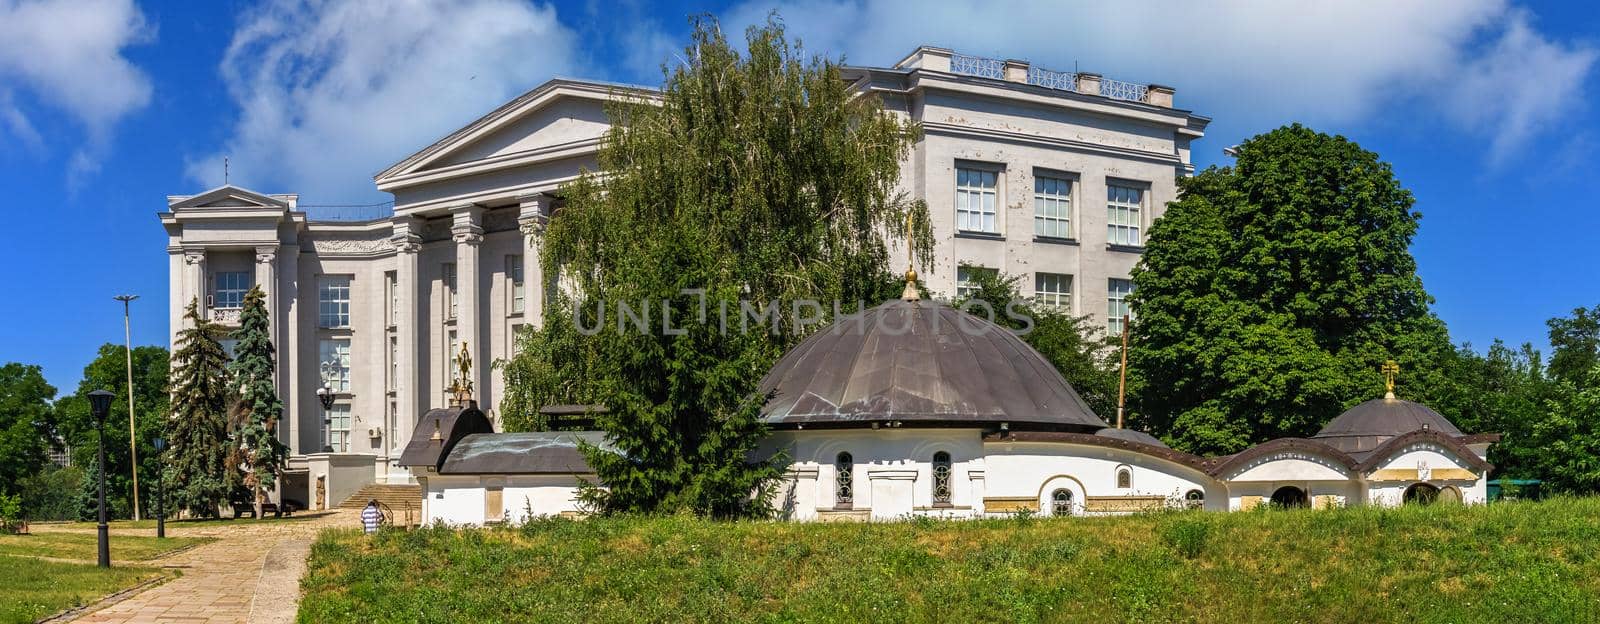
[(250, 574)]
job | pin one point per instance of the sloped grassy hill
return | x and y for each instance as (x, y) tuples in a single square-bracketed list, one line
[(1508, 562)]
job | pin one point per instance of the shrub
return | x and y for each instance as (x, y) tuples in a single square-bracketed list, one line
[(10, 513)]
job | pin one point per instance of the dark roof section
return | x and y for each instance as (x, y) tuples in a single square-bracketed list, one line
[(1131, 436), (544, 452), (453, 424), (1363, 428), (1160, 452), (920, 362)]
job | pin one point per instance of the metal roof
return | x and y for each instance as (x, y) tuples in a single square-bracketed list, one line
[(542, 452), (920, 362), (1365, 427)]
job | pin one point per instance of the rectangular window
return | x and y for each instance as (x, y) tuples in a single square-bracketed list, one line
[(1124, 210), (393, 286), (1117, 291), (975, 200), (231, 287), (966, 279), (333, 301), (339, 428), (394, 363), (514, 273), (453, 349), (450, 289), (334, 356), (1052, 207), (1053, 289), (516, 340)]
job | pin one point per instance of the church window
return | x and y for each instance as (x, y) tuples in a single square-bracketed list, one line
[(1061, 502), (1194, 499), (941, 478), (844, 480), (1124, 478)]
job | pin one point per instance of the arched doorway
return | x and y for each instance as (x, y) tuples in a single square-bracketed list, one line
[(1423, 494), (1450, 495), (1061, 502), (1289, 497)]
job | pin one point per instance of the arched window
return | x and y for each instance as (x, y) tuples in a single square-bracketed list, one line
[(844, 468), (1194, 499), (1124, 478), (1289, 497), (1061, 502), (1421, 494), (941, 478)]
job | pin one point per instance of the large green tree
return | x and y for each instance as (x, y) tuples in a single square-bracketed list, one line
[(109, 371), (757, 177), (255, 449), (1271, 292), (198, 429), (27, 424), (1575, 344)]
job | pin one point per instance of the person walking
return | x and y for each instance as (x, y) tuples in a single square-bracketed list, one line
[(371, 516)]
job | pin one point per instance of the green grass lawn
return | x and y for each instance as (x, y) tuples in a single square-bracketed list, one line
[(196, 522), (1504, 563), (83, 546), (34, 589)]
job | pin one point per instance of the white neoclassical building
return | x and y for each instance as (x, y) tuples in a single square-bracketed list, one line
[(1048, 175)]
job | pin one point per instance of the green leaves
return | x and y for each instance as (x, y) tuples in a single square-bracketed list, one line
[(256, 407), (758, 177), (198, 429), (1270, 292)]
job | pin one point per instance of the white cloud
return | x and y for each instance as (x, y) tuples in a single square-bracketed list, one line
[(330, 93), (68, 55), (1251, 64)]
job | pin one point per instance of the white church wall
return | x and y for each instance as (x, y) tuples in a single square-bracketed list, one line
[(1292, 466), (460, 499), (1027, 470), (893, 470), (545, 495), (1424, 462), (1247, 495)]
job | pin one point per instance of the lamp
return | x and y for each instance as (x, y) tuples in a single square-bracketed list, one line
[(100, 407), (325, 395), (160, 444)]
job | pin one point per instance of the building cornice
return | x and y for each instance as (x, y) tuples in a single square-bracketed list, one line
[(957, 130)]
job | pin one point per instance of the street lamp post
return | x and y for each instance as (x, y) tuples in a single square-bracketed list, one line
[(326, 396), (161, 507), (100, 406), (133, 449)]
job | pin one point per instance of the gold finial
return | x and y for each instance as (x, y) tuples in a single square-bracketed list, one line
[(910, 293), (1390, 369), (461, 387)]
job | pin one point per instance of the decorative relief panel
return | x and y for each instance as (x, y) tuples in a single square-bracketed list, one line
[(1124, 503), (352, 247)]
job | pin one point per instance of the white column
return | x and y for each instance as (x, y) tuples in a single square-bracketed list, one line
[(534, 214), (289, 346), (407, 242), (195, 279), (467, 231), (175, 295)]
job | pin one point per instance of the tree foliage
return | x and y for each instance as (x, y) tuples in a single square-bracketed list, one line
[(1271, 292), (109, 371), (198, 429), (1076, 347), (254, 450), (1576, 344), (27, 424), (757, 177)]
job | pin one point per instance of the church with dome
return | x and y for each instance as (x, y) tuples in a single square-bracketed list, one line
[(914, 408)]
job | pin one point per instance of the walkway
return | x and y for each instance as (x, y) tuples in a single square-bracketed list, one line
[(249, 575)]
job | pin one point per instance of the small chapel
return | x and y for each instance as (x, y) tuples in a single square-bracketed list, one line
[(914, 408)]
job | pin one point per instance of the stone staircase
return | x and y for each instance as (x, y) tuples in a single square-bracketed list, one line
[(396, 497)]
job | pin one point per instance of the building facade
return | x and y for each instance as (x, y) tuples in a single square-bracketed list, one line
[(1054, 177)]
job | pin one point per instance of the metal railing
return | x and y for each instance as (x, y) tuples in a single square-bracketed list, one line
[(372, 212), (969, 65), (978, 66)]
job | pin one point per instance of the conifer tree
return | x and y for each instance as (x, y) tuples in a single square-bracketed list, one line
[(758, 177), (198, 429), (255, 454)]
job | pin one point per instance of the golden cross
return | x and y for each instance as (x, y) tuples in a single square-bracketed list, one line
[(1390, 369)]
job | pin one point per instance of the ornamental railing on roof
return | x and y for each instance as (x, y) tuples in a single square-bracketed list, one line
[(371, 212), (969, 65), (978, 66)]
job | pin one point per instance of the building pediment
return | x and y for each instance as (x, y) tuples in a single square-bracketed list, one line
[(231, 197), (560, 118)]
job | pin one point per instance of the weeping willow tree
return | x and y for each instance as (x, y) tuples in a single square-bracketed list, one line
[(756, 183)]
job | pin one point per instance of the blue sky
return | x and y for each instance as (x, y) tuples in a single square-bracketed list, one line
[(1484, 108)]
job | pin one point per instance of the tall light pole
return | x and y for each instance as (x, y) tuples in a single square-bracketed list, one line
[(161, 508), (100, 407), (133, 447)]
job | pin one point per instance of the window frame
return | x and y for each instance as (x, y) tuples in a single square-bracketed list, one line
[(1061, 505), (844, 468), (448, 277), (516, 285), (963, 190), (341, 383), (942, 470), (1058, 299), (1133, 233), (1067, 201), (964, 284), (235, 292), (340, 443), (328, 288), (1115, 303), (1124, 478)]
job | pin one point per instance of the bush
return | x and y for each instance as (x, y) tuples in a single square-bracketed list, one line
[(52, 494), (1187, 535), (10, 513)]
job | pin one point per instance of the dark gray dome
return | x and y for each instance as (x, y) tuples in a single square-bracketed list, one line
[(1131, 436), (919, 362), (1362, 428)]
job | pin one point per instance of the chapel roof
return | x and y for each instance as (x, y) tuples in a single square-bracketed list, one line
[(912, 361), (440, 430), (539, 452), (1131, 436), (1363, 428)]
